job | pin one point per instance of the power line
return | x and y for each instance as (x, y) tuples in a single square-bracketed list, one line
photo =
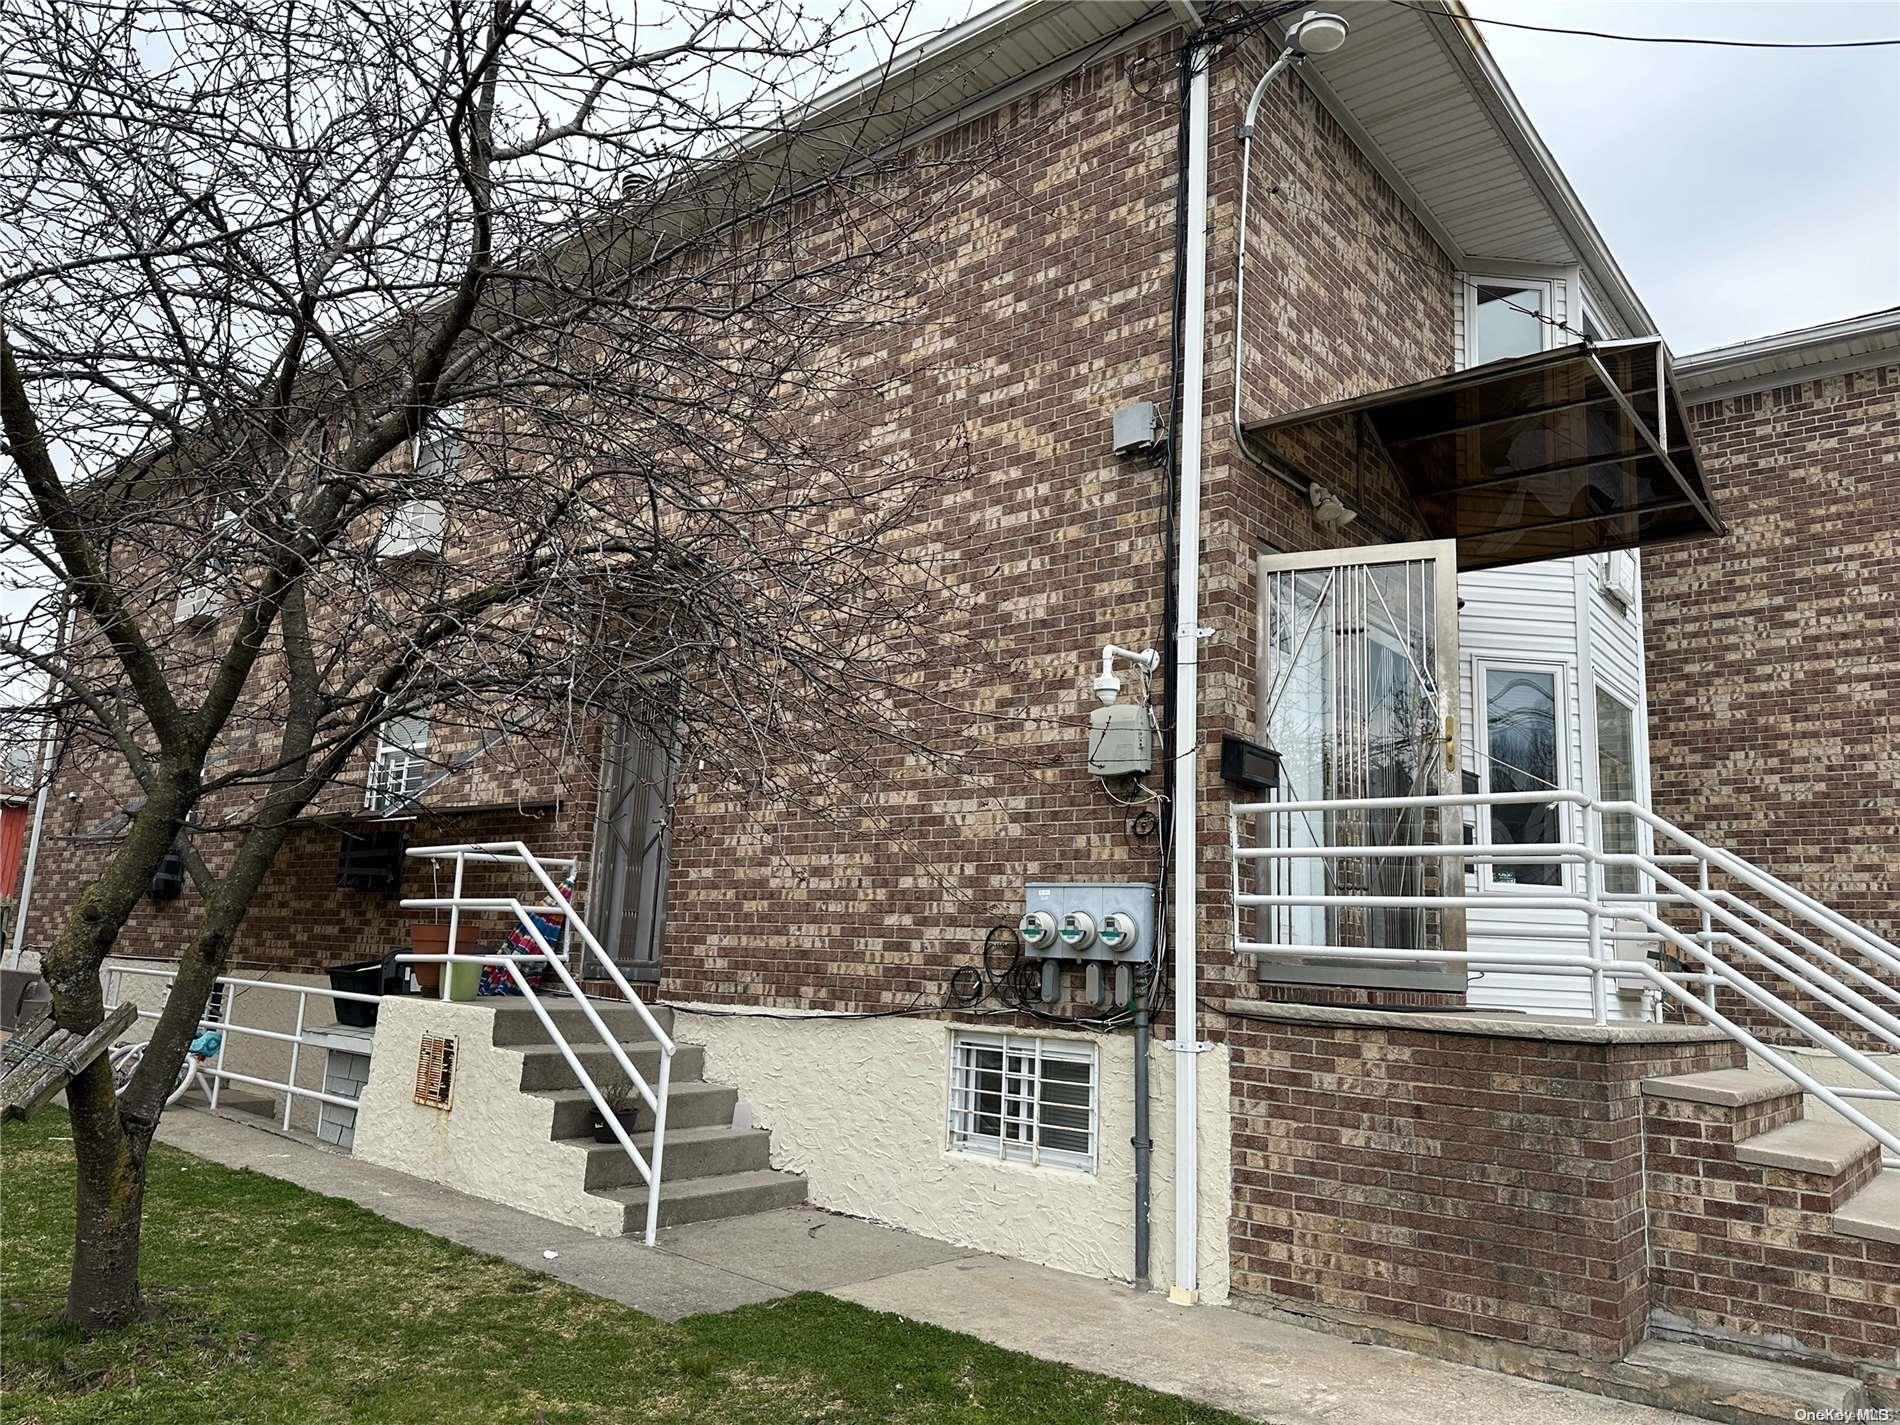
[(1438, 14)]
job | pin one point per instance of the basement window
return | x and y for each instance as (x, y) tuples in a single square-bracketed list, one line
[(1025, 1100)]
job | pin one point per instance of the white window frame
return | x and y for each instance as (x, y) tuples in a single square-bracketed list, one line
[(1561, 677), (961, 1138), (419, 526), (1501, 277), (1639, 755), (1586, 307), (397, 771), (200, 601)]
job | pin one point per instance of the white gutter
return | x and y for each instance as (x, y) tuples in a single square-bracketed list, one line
[(1186, 1045)]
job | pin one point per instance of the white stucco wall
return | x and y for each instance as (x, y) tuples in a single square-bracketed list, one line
[(493, 1141), (860, 1108)]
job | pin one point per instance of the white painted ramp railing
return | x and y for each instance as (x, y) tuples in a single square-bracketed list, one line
[(1795, 946), (653, 1094)]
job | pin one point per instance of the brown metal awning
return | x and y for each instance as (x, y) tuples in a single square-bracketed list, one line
[(1571, 451)]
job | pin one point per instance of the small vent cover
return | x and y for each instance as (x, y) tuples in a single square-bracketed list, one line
[(435, 1071)]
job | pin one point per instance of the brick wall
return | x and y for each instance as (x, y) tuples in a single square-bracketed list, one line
[(1774, 654), (1049, 307), (1744, 1249), (301, 920), (1446, 1182)]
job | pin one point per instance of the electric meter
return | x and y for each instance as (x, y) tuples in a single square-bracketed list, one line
[(1077, 930), (1117, 933), (1038, 930)]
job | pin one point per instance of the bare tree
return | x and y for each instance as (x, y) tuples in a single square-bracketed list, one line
[(503, 363)]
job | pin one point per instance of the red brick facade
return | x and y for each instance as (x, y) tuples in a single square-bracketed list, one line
[(1475, 1183), (1742, 1249), (1053, 290), (1774, 654), (1050, 295)]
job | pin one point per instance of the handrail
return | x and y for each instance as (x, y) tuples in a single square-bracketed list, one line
[(649, 1171), (1727, 920), (573, 923), (216, 1072)]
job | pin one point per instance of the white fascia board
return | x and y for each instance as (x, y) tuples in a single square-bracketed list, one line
[(1866, 340)]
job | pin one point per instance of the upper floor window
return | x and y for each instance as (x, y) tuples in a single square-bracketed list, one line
[(417, 525), (1506, 317), (400, 767)]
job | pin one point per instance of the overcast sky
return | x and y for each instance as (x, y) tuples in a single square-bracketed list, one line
[(1744, 192)]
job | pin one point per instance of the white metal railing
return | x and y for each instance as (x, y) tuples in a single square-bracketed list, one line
[(573, 925), (1729, 926), (216, 1071)]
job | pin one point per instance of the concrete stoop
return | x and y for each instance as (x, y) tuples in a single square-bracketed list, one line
[(1774, 1273), (517, 1126), (709, 1168), (1734, 1389)]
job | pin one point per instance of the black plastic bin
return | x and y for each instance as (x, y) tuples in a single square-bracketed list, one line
[(366, 977)]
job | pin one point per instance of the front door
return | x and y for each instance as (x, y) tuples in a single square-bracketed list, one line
[(628, 904), (1357, 691)]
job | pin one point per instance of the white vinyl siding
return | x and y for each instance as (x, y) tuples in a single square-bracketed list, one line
[(1019, 1099), (1552, 614)]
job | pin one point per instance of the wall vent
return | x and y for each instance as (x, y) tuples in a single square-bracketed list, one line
[(435, 1071)]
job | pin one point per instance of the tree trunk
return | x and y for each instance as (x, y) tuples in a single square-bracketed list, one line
[(109, 1194), (108, 1152)]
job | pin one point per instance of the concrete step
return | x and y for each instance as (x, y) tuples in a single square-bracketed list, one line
[(693, 1104), (690, 1153), (544, 1067), (1740, 1390), (703, 1199), (1809, 1145), (1729, 1088), (517, 1024), (1873, 1213)]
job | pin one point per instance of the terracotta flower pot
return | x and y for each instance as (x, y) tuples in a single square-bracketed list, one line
[(431, 937)]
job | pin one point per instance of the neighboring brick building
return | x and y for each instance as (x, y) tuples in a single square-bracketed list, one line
[(1474, 1183), (1774, 655)]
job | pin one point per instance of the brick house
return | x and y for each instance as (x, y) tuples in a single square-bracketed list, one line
[(1397, 1093)]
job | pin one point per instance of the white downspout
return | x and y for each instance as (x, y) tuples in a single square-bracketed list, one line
[(1186, 1046), (18, 945)]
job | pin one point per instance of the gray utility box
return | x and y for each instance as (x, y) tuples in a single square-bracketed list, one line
[(1118, 740), (1112, 924)]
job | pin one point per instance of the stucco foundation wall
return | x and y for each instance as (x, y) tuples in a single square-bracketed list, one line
[(860, 1107), (493, 1141)]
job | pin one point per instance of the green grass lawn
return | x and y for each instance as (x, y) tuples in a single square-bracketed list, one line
[(274, 1304)]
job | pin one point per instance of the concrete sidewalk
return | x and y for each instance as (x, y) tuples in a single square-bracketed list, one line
[(1261, 1369)]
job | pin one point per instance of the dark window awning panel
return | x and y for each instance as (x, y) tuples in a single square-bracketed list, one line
[(1572, 451)]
